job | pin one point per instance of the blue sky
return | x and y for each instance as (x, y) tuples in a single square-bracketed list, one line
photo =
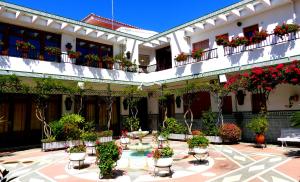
[(157, 15)]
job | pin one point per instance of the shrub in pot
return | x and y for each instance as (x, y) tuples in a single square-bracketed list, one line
[(132, 124), (230, 132), (196, 132), (198, 141), (259, 125), (209, 119), (77, 153), (163, 157), (107, 155), (105, 136), (89, 138)]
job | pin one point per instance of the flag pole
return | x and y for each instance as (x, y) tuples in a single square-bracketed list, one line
[(112, 14)]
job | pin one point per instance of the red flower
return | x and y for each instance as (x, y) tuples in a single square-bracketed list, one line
[(97, 142), (280, 66), (294, 80), (269, 88), (258, 71)]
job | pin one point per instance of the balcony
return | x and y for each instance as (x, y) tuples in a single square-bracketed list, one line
[(209, 54), (36, 54), (270, 41)]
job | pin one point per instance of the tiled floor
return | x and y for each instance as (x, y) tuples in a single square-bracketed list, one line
[(227, 163)]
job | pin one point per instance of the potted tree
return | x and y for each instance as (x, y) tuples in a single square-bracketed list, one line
[(77, 154), (163, 157), (210, 128), (230, 133), (259, 125), (198, 144)]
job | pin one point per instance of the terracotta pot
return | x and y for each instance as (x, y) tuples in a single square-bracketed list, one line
[(260, 138)]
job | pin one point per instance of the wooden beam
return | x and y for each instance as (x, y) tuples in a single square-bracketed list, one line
[(199, 26), (211, 22), (77, 28), (89, 31), (189, 29), (18, 14), (50, 22), (164, 39), (99, 34)]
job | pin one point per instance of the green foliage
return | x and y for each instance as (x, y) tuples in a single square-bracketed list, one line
[(165, 133), (12, 84), (106, 133), (48, 140), (198, 141), (209, 123), (295, 119), (57, 128), (77, 149), (132, 124), (89, 136), (173, 126), (107, 153), (167, 152), (259, 125), (69, 127)]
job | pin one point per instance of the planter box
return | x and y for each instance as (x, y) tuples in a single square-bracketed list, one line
[(105, 139), (77, 156), (89, 143), (214, 139), (181, 137), (73, 143), (54, 146)]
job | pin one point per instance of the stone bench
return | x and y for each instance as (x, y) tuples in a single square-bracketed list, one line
[(289, 135)]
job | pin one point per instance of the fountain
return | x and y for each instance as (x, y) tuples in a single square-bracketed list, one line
[(140, 146)]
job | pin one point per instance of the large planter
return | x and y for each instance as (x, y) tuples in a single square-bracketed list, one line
[(260, 138), (214, 139), (174, 136), (77, 156), (105, 139), (200, 150), (163, 162), (54, 146)]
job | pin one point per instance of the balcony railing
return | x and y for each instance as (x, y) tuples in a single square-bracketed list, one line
[(209, 54), (271, 40), (37, 54)]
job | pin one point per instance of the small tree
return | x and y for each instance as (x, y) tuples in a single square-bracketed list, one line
[(109, 100), (44, 88), (163, 98), (188, 94)]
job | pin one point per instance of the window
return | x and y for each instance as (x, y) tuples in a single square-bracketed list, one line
[(227, 105), (258, 102), (249, 31), (201, 45), (226, 35)]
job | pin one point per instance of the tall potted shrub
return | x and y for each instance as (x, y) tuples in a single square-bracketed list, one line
[(259, 125), (198, 144), (230, 133), (210, 127)]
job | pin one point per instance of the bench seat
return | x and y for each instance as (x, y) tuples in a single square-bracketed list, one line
[(289, 135)]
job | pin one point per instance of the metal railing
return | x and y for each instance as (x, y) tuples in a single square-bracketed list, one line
[(206, 55), (272, 39)]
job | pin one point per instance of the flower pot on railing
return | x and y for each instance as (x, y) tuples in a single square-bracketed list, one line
[(24, 48), (284, 29)]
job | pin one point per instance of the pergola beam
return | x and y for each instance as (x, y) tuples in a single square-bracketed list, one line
[(250, 7), (223, 17), (266, 2), (236, 12)]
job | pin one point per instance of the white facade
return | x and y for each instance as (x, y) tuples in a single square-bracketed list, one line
[(266, 13)]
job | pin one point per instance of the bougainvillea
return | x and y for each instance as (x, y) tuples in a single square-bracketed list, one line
[(264, 80)]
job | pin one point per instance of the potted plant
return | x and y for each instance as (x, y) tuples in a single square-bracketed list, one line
[(198, 144), (259, 125), (107, 155), (230, 133), (210, 128), (109, 61), (181, 57), (50, 143), (53, 51), (196, 132), (197, 53), (177, 131), (89, 138), (105, 136), (259, 36), (222, 40), (93, 58), (24, 47), (238, 41), (163, 157), (73, 54), (77, 154), (284, 29)]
